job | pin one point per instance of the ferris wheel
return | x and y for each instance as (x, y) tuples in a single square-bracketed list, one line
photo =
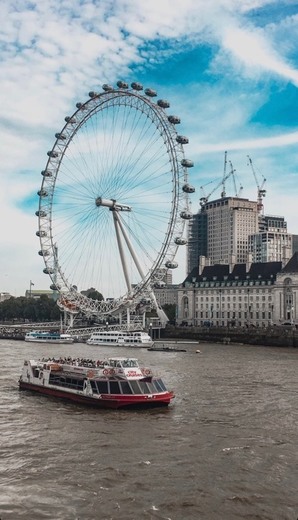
[(114, 200)]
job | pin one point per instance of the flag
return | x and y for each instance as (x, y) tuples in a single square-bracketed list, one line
[(31, 283)]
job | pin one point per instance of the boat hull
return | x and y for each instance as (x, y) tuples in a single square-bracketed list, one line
[(105, 401), (49, 341)]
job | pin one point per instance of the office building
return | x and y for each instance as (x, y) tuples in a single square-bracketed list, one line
[(273, 243)]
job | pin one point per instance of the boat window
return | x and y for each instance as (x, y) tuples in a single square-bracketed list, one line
[(135, 387), (145, 388), (94, 387), (102, 387), (125, 387), (151, 387), (114, 387), (74, 384), (159, 385)]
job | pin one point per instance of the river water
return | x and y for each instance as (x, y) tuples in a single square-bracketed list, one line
[(226, 449)]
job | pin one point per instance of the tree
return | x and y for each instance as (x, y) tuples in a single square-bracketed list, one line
[(93, 294), (32, 309)]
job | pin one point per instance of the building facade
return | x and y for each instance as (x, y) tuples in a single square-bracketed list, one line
[(273, 243), (244, 295), (221, 230), (230, 222), (197, 240)]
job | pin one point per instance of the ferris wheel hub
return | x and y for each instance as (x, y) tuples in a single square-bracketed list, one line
[(112, 204)]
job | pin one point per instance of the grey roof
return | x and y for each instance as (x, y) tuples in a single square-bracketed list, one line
[(220, 272), (292, 265)]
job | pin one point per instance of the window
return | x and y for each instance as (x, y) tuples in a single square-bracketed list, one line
[(125, 387), (159, 385), (135, 387), (102, 387)]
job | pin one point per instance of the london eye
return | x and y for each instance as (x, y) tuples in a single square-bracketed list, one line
[(114, 200)]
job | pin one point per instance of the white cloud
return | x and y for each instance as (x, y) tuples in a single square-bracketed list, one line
[(54, 53)]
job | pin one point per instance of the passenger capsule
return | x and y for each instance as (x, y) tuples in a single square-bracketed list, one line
[(92, 94), (41, 233), (180, 241), (40, 213), (107, 88), (42, 193), (53, 154), (48, 270), (175, 120), (43, 253), (171, 265), (150, 92), (81, 106), (60, 137), (186, 215), (122, 84), (181, 139), (163, 103), (46, 173), (70, 120), (187, 163), (136, 86), (188, 188), (55, 287)]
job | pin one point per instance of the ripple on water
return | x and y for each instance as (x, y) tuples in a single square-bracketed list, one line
[(226, 449)]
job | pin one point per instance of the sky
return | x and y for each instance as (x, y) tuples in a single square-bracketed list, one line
[(228, 67)]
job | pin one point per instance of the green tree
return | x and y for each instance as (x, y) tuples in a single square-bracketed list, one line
[(93, 294), (32, 309)]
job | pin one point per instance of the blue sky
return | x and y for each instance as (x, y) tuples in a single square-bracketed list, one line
[(229, 69)]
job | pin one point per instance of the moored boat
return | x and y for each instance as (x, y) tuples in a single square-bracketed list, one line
[(42, 336), (108, 338), (115, 383), (166, 349)]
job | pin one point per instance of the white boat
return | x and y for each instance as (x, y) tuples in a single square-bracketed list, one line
[(109, 338), (113, 383), (42, 336)]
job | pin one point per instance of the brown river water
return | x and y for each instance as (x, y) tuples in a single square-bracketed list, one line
[(226, 449)]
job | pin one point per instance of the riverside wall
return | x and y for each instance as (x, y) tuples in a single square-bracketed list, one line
[(271, 336)]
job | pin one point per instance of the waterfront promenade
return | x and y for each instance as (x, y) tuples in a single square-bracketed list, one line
[(275, 336)]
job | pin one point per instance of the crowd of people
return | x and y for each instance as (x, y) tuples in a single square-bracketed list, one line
[(77, 362)]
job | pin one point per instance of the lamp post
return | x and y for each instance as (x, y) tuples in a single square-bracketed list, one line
[(30, 289)]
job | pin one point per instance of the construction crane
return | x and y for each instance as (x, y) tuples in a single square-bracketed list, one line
[(233, 171), (205, 198), (261, 191), (223, 193)]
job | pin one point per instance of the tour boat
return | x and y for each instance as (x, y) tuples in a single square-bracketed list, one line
[(42, 336), (118, 382), (108, 338)]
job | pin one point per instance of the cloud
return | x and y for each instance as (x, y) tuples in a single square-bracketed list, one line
[(54, 53), (252, 49)]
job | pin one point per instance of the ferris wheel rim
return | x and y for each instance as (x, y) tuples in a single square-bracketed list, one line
[(74, 123)]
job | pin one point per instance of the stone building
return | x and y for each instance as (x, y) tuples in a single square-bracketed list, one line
[(243, 294)]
